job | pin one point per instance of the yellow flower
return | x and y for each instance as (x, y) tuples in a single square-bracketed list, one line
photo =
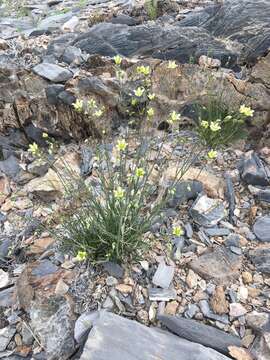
[(204, 124), (81, 255), (119, 192), (215, 126), (134, 102), (33, 148), (150, 112), (246, 110), (78, 105), (45, 135), (212, 154), (92, 103), (117, 59), (145, 70), (151, 96), (172, 65), (98, 113), (140, 172), (174, 116), (121, 145), (178, 231), (139, 91)]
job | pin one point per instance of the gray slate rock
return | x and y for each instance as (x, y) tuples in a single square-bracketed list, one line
[(254, 171), (207, 212), (199, 333), (114, 269), (184, 191), (6, 334), (113, 337), (163, 276), (52, 72), (261, 228), (83, 324), (156, 294), (261, 258)]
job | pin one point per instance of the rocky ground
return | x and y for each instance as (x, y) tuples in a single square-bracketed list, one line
[(209, 286)]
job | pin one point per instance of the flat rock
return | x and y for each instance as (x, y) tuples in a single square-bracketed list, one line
[(261, 228), (254, 171), (219, 265), (113, 337), (207, 212), (199, 333), (6, 334), (4, 279), (260, 257), (163, 276), (156, 294), (52, 72)]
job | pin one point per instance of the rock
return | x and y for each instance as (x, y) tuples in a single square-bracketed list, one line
[(218, 301), (54, 22), (52, 72), (124, 289), (184, 191), (247, 277), (10, 167), (52, 92), (4, 188), (38, 167), (260, 72), (220, 265), (208, 62), (205, 309), (192, 279), (115, 337), (83, 325), (156, 294), (260, 257), (240, 353), (61, 288), (71, 54), (53, 323), (3, 44), (171, 308), (27, 336), (237, 310), (41, 245), (261, 228), (4, 279), (192, 309), (6, 334), (217, 231), (114, 269), (163, 275), (71, 24), (47, 187), (207, 212), (199, 333), (254, 171), (260, 323)]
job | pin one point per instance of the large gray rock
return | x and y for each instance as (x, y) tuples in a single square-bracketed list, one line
[(52, 72), (260, 257), (254, 171), (113, 337), (203, 334), (261, 228)]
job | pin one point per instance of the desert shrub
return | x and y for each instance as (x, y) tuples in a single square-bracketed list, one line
[(220, 125), (151, 7)]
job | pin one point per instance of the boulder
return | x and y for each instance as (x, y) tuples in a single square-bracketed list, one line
[(114, 337)]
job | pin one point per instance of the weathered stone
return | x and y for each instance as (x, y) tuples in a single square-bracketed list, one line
[(4, 279), (114, 337), (218, 301), (7, 297), (219, 265), (114, 269), (184, 191), (254, 171), (208, 313), (6, 334), (4, 188), (237, 310), (200, 333), (207, 212), (240, 353), (83, 325), (163, 276), (261, 228), (40, 245), (52, 72), (156, 294)]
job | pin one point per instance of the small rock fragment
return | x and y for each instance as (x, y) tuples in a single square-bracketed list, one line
[(237, 310)]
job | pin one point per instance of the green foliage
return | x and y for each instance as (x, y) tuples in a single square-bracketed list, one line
[(151, 7), (219, 125)]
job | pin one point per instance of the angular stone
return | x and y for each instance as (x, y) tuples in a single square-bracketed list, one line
[(207, 212), (254, 171), (261, 228), (184, 191), (4, 188), (52, 72), (163, 275), (4, 279), (205, 309), (217, 231), (199, 333), (237, 310), (113, 337), (220, 265), (156, 294), (6, 334), (7, 297), (218, 301), (260, 257), (114, 269), (83, 325)]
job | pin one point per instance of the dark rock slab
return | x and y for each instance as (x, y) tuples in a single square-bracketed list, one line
[(52, 72), (219, 265), (114, 337), (199, 333), (162, 42), (114, 269), (184, 191), (254, 171), (52, 92), (261, 258), (10, 166), (261, 228)]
